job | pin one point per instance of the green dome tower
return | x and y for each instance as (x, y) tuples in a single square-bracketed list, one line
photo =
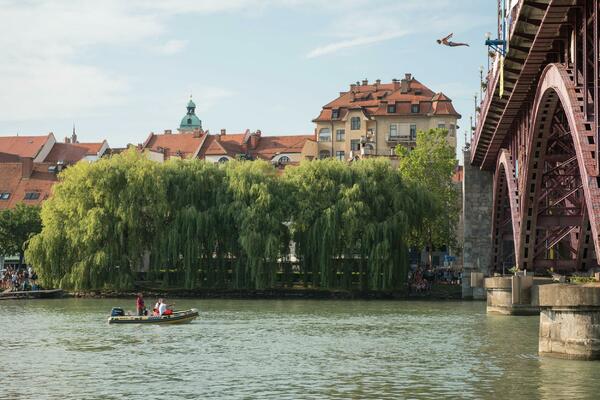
[(190, 121)]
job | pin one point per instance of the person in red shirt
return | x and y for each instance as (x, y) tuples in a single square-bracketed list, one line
[(139, 304)]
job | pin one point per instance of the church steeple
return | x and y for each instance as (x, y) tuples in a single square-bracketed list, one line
[(190, 121)]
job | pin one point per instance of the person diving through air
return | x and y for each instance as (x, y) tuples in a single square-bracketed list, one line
[(446, 42)]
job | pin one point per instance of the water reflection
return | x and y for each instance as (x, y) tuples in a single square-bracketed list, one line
[(282, 349)]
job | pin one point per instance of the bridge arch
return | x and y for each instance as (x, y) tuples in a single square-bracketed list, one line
[(560, 200), (505, 215)]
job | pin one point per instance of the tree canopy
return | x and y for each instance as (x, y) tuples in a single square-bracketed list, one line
[(430, 166), (194, 224), (17, 226)]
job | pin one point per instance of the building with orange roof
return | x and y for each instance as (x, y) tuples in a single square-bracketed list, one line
[(372, 119), (193, 142), (29, 165)]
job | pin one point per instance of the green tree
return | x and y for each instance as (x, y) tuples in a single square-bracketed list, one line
[(431, 165), (17, 226)]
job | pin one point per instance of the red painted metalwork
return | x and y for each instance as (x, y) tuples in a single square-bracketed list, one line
[(543, 139)]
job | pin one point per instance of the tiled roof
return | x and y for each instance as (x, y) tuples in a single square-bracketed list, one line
[(92, 148), (11, 181), (269, 146), (373, 99), (266, 147), (22, 146), (184, 145), (67, 152)]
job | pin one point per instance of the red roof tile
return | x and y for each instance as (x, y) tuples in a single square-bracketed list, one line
[(23, 146), (184, 145), (12, 181), (373, 100)]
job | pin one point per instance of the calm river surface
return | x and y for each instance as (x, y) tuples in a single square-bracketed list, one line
[(288, 349)]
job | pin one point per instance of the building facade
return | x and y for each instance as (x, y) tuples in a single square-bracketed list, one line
[(192, 141), (372, 119)]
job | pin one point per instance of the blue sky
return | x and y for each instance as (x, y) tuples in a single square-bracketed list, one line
[(120, 69)]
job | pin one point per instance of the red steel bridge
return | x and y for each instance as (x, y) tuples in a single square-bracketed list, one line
[(538, 132)]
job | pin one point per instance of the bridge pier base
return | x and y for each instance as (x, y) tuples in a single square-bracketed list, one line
[(570, 321), (512, 295), (477, 220)]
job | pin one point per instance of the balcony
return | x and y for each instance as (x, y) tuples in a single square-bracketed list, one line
[(367, 152), (396, 139)]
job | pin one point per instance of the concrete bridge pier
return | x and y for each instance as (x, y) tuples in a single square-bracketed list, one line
[(477, 235), (570, 321), (513, 295)]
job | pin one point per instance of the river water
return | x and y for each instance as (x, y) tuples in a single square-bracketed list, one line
[(289, 349)]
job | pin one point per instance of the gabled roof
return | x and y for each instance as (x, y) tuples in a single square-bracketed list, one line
[(184, 145), (23, 146), (12, 181), (373, 99), (270, 146)]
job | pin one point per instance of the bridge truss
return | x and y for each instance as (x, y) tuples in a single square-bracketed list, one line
[(541, 138)]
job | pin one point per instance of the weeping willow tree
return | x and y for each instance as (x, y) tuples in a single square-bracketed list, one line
[(201, 225), (259, 210), (354, 221), (98, 223)]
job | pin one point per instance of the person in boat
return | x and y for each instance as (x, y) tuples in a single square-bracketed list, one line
[(163, 308), (139, 305)]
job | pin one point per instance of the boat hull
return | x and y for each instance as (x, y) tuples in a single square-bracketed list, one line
[(178, 317)]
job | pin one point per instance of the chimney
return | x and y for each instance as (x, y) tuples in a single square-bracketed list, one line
[(168, 132), (196, 133), (352, 87), (26, 167), (67, 140), (223, 132), (396, 83), (254, 138), (365, 82), (405, 85), (378, 82)]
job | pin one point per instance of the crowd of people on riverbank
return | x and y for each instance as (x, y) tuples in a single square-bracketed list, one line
[(421, 280), (18, 279)]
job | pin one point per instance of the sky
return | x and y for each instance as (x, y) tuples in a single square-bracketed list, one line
[(122, 69)]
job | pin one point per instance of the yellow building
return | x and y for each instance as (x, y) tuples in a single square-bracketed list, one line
[(372, 119)]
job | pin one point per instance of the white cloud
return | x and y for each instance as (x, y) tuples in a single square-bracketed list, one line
[(171, 47), (357, 41)]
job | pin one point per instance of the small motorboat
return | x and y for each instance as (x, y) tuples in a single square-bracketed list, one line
[(177, 317)]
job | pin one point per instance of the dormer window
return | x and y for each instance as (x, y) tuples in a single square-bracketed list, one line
[(335, 114), (32, 195), (391, 109), (415, 109), (4, 196)]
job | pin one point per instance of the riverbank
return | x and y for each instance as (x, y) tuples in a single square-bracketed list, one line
[(437, 292)]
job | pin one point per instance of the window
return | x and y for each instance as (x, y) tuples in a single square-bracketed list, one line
[(324, 135), (441, 126), (391, 108), (340, 135), (340, 155), (452, 129), (284, 160), (415, 109), (355, 144), (223, 160), (4, 196), (189, 121), (413, 132), (32, 195), (335, 114), (324, 154), (355, 123), (393, 130)]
